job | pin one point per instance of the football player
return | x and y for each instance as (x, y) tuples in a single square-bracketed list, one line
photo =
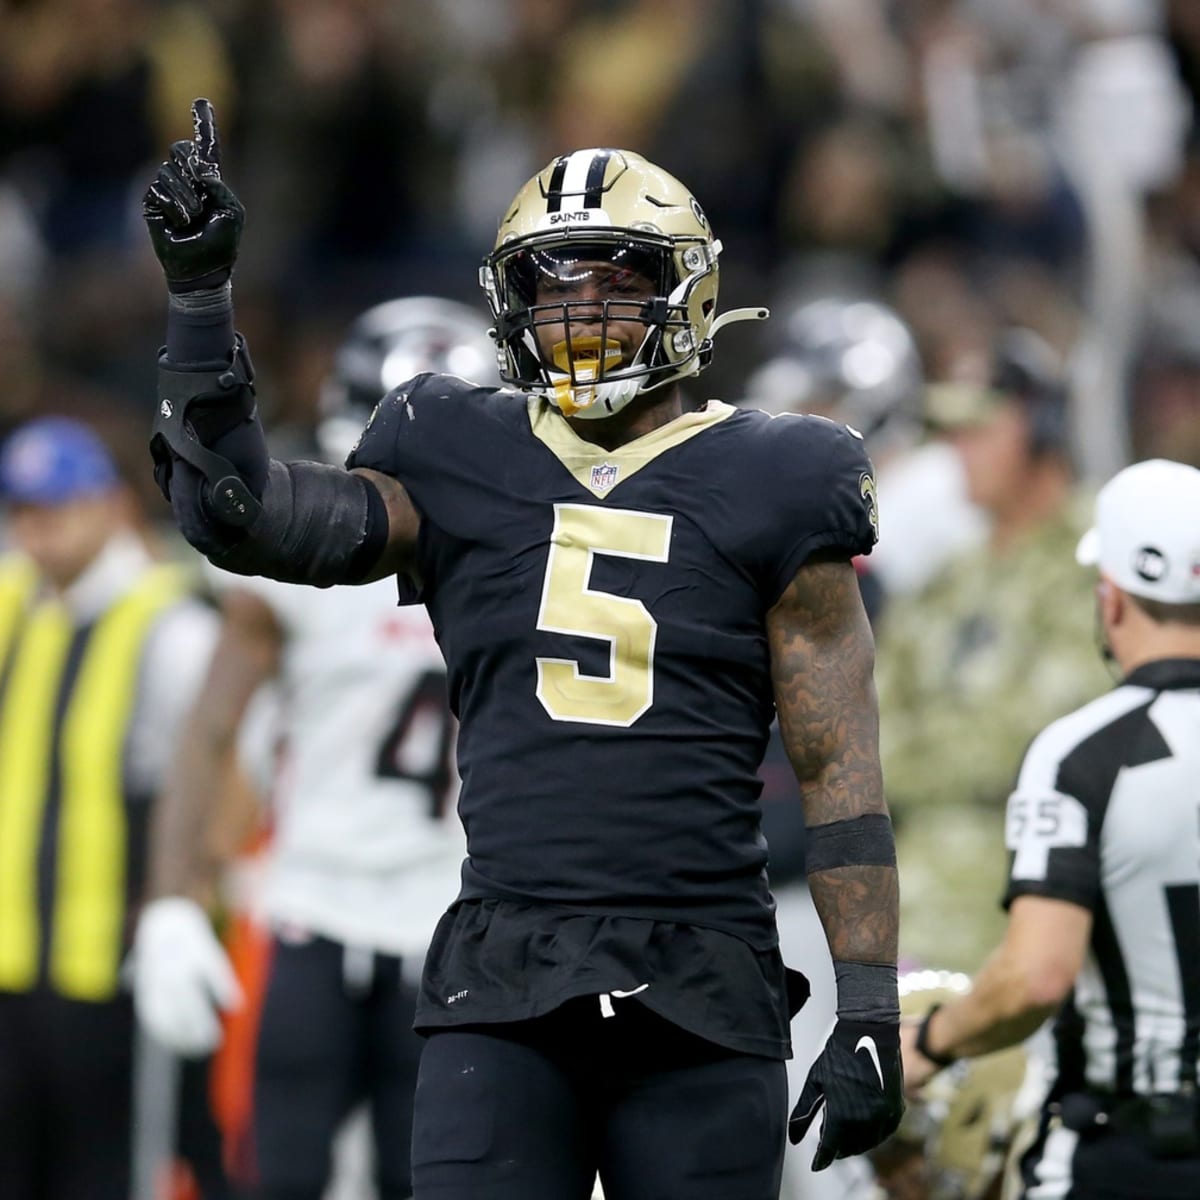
[(363, 859), (624, 591)]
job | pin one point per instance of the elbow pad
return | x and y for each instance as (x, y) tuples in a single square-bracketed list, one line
[(317, 524)]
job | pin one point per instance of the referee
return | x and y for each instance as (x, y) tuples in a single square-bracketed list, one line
[(1104, 888)]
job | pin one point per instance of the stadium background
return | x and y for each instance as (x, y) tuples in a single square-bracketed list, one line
[(968, 160)]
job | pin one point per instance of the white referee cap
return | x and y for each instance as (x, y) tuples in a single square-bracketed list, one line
[(1146, 538)]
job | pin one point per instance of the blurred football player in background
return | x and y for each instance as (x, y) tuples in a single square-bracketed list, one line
[(365, 848), (607, 992)]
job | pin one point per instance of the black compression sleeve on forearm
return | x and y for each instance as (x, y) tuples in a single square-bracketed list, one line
[(319, 525), (200, 326)]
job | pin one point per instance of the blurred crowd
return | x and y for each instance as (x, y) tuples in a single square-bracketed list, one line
[(904, 182), (968, 160)]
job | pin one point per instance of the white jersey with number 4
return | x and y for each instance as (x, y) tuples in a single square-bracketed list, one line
[(367, 846)]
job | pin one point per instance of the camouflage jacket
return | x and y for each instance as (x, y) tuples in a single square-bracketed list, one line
[(972, 667), (969, 670)]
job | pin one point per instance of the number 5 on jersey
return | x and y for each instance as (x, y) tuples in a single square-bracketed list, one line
[(571, 606)]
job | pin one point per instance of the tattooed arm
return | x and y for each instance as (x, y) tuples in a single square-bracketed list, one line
[(822, 656), (822, 659)]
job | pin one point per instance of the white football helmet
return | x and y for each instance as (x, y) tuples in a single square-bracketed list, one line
[(389, 344), (599, 241)]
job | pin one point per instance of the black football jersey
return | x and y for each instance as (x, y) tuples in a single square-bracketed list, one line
[(602, 614)]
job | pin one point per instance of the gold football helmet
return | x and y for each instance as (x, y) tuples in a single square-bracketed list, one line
[(603, 282), (953, 1141)]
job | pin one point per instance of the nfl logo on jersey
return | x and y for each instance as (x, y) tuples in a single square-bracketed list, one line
[(604, 476)]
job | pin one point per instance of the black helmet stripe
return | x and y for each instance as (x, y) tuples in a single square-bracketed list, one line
[(578, 174), (594, 188), (554, 191)]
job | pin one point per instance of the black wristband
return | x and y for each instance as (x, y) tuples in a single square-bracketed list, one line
[(867, 991), (940, 1060), (863, 841)]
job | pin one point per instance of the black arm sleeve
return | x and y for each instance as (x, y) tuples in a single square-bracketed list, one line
[(319, 525)]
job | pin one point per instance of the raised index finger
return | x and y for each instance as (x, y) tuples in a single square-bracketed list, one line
[(206, 157)]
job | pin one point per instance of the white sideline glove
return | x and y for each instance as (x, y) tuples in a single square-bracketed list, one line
[(182, 977)]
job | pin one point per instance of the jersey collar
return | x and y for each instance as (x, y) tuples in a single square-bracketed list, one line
[(1166, 674), (599, 470)]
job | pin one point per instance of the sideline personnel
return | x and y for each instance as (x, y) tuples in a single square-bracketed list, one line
[(102, 651), (1104, 891)]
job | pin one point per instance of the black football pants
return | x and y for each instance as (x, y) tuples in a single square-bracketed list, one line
[(336, 1029), (535, 1109)]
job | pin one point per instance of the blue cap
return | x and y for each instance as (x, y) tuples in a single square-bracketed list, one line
[(53, 460)]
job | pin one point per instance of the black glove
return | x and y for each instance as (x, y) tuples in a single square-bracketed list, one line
[(210, 455), (195, 220), (859, 1081)]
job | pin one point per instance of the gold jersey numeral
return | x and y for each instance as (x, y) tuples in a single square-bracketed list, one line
[(571, 606)]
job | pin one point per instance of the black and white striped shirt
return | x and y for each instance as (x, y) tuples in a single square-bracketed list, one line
[(1106, 814)]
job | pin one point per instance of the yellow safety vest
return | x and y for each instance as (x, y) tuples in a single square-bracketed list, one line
[(67, 698)]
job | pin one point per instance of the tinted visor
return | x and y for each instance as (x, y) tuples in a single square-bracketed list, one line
[(617, 270)]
